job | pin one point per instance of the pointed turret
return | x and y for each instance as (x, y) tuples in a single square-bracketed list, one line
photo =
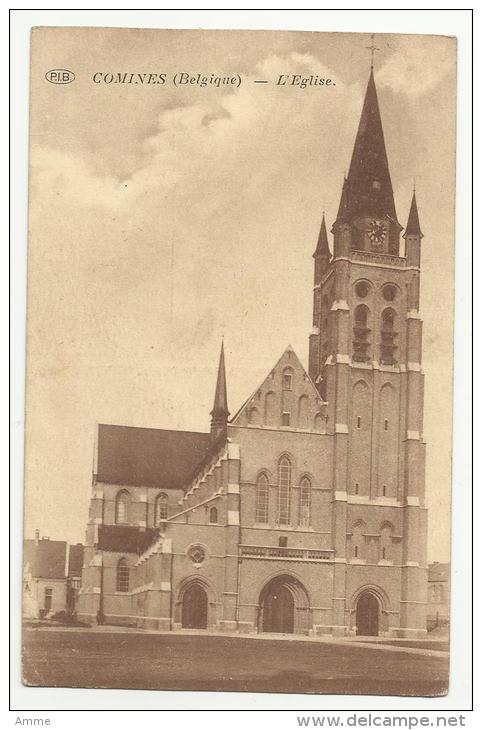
[(322, 253), (413, 235), (413, 224), (343, 207), (368, 185), (322, 248), (220, 413)]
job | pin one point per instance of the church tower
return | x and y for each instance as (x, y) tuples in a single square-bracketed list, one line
[(365, 358)]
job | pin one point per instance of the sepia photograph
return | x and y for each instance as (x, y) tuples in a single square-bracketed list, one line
[(238, 439)]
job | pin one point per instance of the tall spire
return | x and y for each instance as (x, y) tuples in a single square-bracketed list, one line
[(413, 224), (322, 248), (220, 413), (368, 187)]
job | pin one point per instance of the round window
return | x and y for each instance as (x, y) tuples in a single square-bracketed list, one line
[(362, 289), (197, 554), (389, 292)]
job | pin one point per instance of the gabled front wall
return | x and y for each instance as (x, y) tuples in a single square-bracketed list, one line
[(310, 455)]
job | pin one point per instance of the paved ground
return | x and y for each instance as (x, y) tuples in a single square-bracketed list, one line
[(83, 658)]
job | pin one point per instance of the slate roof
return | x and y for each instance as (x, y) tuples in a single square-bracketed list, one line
[(367, 189), (76, 559), (46, 559), (149, 457), (125, 539)]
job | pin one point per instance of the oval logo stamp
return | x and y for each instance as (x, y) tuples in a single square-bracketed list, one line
[(60, 76)]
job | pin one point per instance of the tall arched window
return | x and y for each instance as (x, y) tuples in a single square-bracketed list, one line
[(213, 515), (360, 334), (284, 488), (388, 346), (262, 499), (121, 507), (122, 578), (305, 502), (162, 509)]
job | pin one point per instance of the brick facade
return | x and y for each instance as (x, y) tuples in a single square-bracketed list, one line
[(305, 512)]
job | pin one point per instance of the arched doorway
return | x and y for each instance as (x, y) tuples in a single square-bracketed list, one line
[(284, 606), (194, 607), (279, 611), (367, 615)]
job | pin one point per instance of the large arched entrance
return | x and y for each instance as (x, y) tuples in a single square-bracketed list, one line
[(284, 606), (367, 615), (194, 607)]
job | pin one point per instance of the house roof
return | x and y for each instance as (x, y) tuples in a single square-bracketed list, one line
[(149, 457), (76, 560), (46, 558)]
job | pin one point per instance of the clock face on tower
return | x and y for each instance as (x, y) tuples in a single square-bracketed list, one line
[(377, 232)]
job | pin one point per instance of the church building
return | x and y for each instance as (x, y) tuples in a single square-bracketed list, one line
[(304, 512)]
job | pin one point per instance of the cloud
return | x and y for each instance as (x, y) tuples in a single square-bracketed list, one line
[(417, 65), (210, 230)]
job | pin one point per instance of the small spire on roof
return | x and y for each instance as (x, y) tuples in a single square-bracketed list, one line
[(220, 412), (322, 248), (413, 224)]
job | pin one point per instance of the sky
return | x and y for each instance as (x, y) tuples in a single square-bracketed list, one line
[(163, 218)]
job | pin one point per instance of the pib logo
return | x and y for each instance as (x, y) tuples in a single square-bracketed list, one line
[(60, 76)]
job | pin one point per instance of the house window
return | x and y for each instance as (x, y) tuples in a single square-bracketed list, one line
[(384, 490), (384, 553), (385, 424), (284, 488), (122, 582), (48, 599), (356, 551), (121, 507), (357, 488), (262, 498), (213, 515), (161, 508), (287, 380), (286, 418), (305, 502), (283, 541), (358, 422)]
